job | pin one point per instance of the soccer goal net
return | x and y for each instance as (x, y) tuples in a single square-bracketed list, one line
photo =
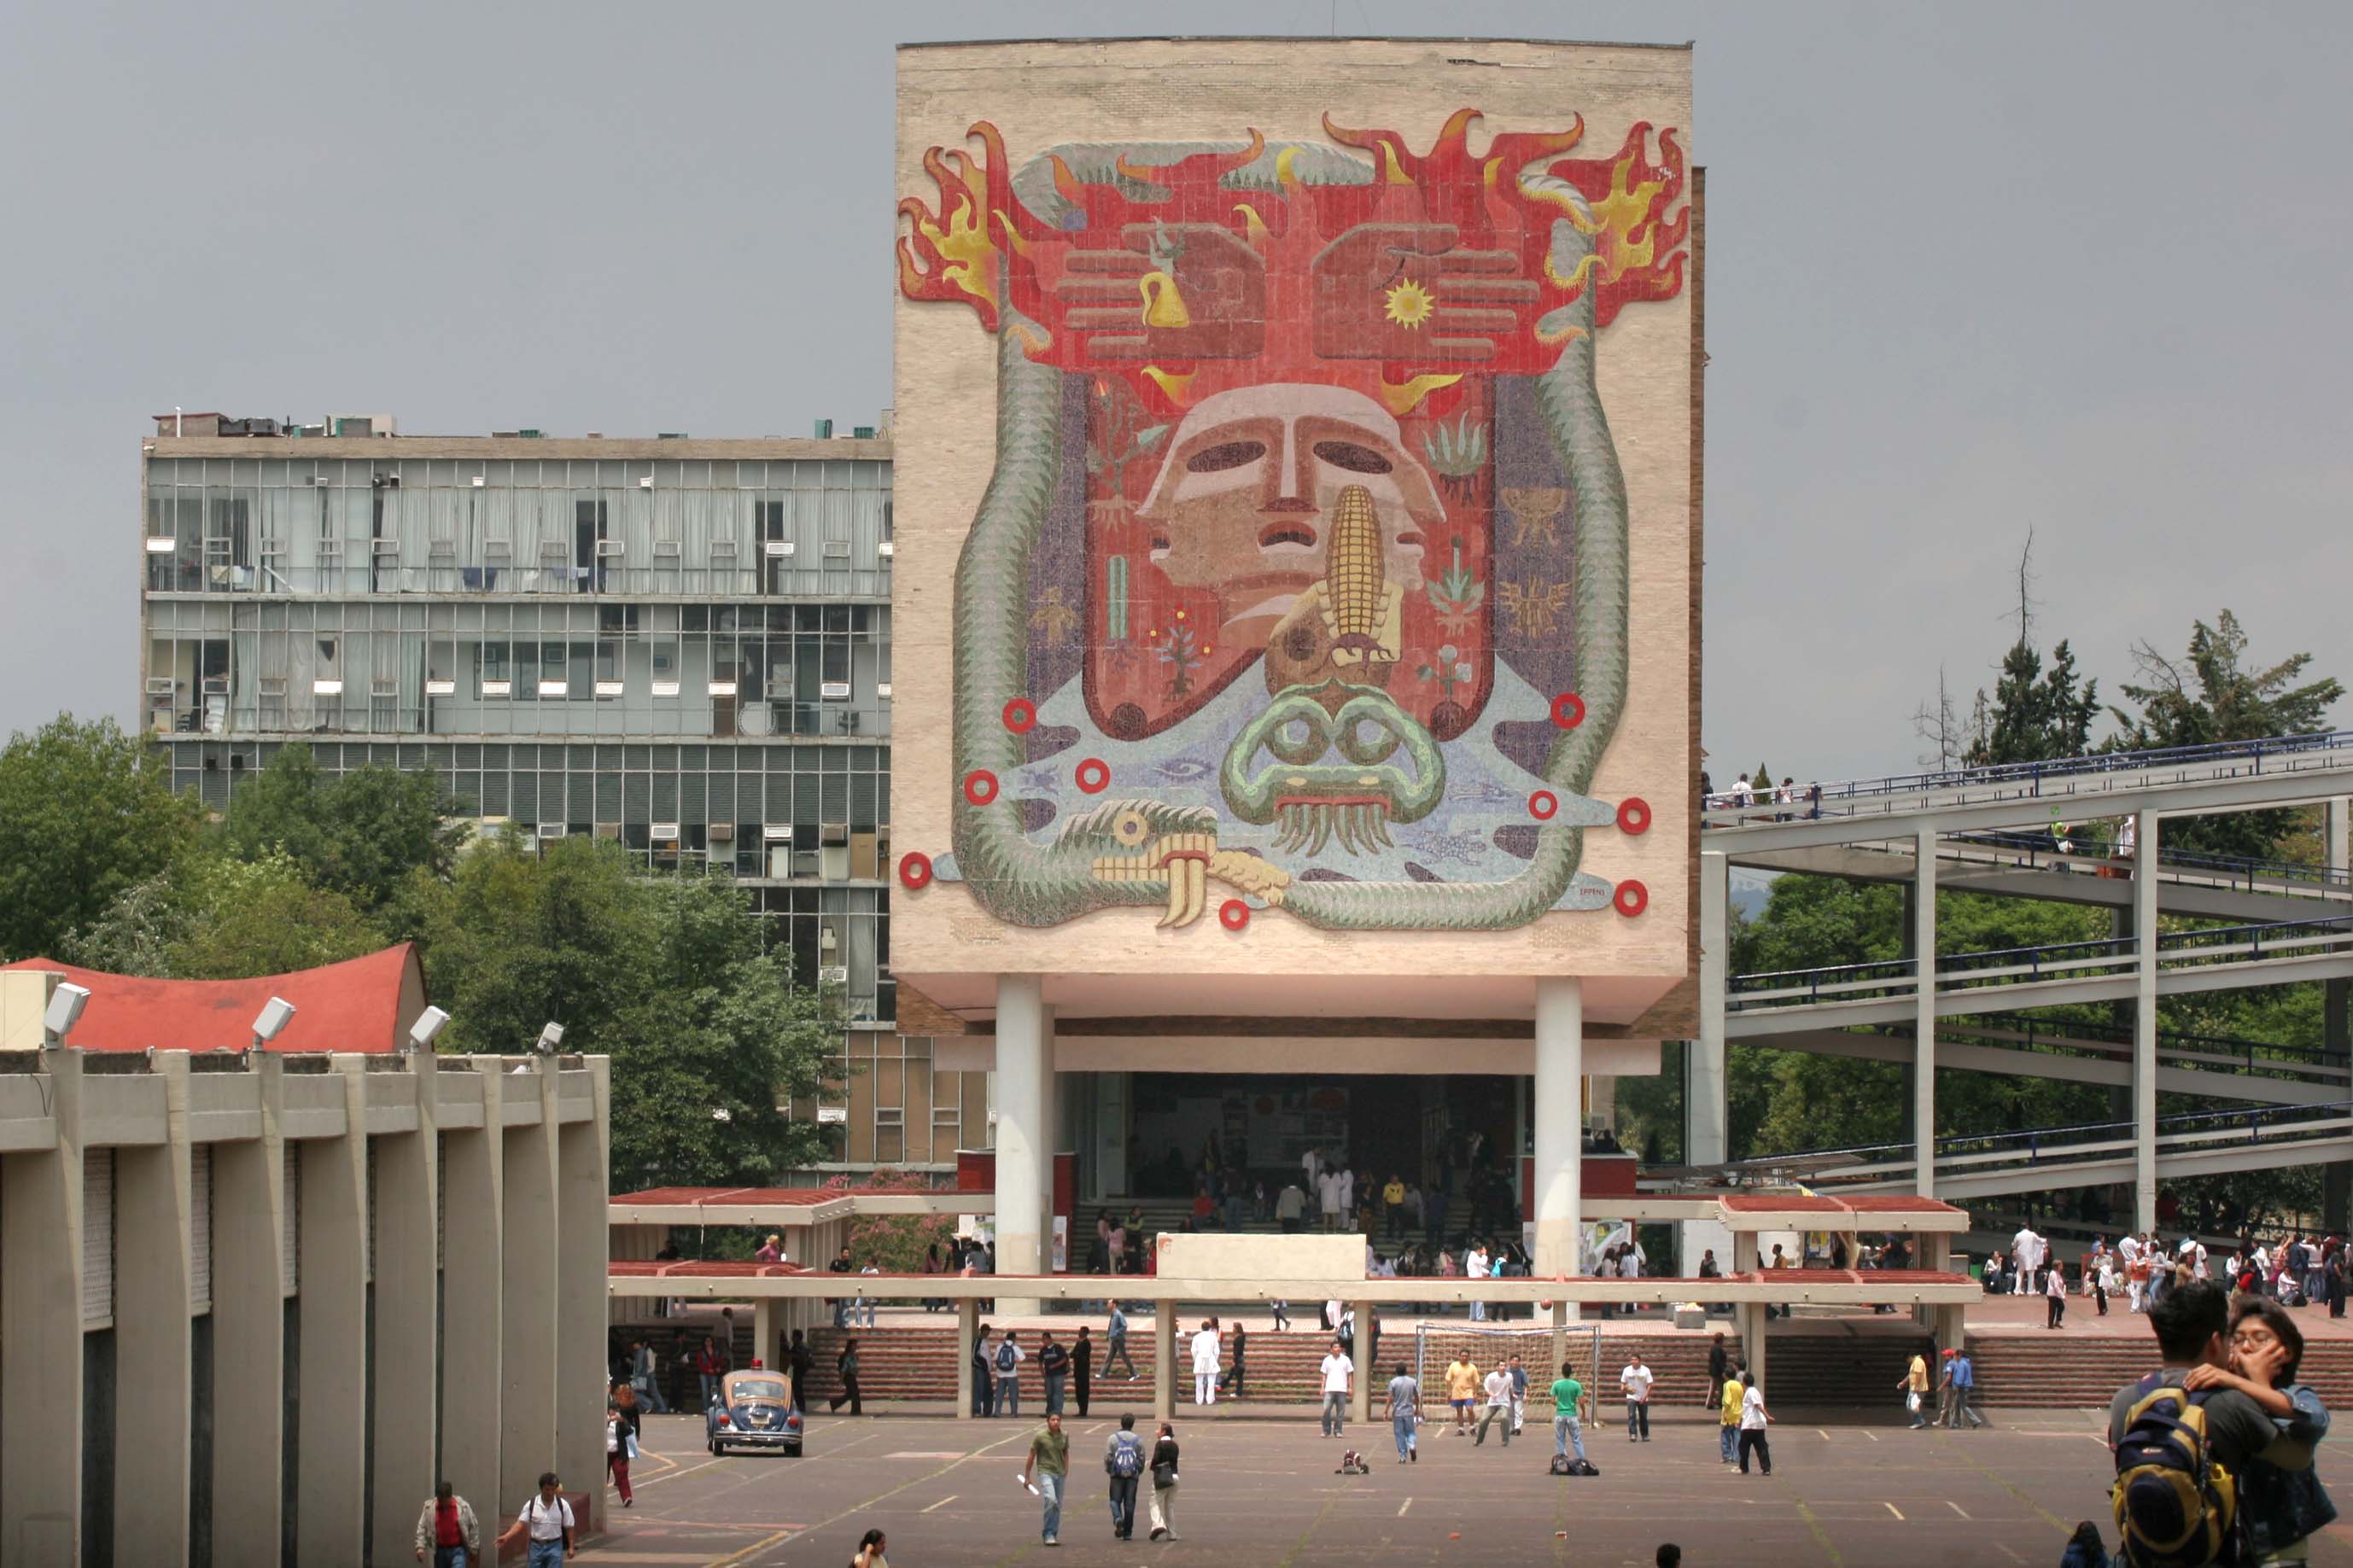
[(1486, 1346)]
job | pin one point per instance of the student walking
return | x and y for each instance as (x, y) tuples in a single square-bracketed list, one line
[(1083, 1369), (644, 1377), (1054, 1366), (1405, 1413), (1123, 1462), (1754, 1419), (984, 1375), (845, 1367), (1914, 1387), (542, 1525), (448, 1528), (1164, 1485), (1010, 1357), (1567, 1394), (1046, 1469), (1965, 1380), (799, 1362), (1338, 1372), (1117, 1350), (620, 1447), (1727, 1432), (1636, 1380)]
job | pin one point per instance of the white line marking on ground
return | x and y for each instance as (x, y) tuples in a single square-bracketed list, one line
[(1955, 1506), (1872, 1436), (1823, 1434), (1894, 1510), (1403, 1506), (943, 1502), (2012, 1555)]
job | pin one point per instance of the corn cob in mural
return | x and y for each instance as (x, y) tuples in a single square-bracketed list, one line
[(1354, 573)]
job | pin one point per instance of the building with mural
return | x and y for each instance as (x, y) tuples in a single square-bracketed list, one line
[(1297, 510)]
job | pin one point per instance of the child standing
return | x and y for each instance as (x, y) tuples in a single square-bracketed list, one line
[(2280, 1508)]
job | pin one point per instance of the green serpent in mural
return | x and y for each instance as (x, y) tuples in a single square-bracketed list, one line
[(1143, 852)]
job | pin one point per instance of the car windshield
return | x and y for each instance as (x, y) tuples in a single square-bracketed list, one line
[(757, 1388)]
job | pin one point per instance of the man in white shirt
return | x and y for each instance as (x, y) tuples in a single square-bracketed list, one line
[(2027, 1249), (1347, 1196), (1327, 1198), (544, 1521), (1312, 1164), (1499, 1402), (1636, 1381), (1338, 1372), (1475, 1267), (1205, 1363)]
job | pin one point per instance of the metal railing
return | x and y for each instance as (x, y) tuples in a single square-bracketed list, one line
[(2043, 853), (1882, 978), (2038, 1034), (2010, 781)]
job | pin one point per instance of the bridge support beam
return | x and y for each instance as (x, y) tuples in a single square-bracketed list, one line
[(1706, 1138), (1923, 969), (2143, 1092), (2336, 1027), (1559, 1122)]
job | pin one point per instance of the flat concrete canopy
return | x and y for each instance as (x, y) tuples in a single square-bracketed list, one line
[(1811, 1211), (786, 1207), (1826, 1287)]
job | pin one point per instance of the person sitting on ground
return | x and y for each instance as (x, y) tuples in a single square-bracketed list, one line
[(2279, 1507)]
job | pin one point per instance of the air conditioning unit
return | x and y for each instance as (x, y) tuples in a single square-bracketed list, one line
[(216, 685), (440, 688), (773, 548), (882, 690), (665, 833), (162, 686), (326, 689), (837, 550), (478, 481), (498, 547), (720, 833), (610, 549), (832, 1115), (719, 688), (498, 689), (666, 549), (553, 549), (884, 549), (833, 691), (664, 688), (387, 547), (777, 832), (161, 546), (645, 481), (273, 686), (609, 688), (375, 687), (833, 975), (551, 831), (722, 548), (441, 547), (556, 689)]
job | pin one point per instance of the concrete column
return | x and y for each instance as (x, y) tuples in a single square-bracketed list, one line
[(1360, 1398), (2336, 1029), (153, 1365), (1559, 1340), (1753, 1325), (1923, 1052), (968, 1329), (527, 1296), (406, 1333), (331, 1469), (249, 1334), (1559, 1142), (40, 1333), (2144, 1075), (1164, 1360), (1023, 1131), (581, 1304), (1707, 1141), (472, 1294), (1743, 1252)]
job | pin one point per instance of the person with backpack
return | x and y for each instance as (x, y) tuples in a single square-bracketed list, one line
[(1010, 1357), (542, 1526), (1567, 1394), (845, 1367), (1123, 1462), (2169, 1438), (2279, 1507)]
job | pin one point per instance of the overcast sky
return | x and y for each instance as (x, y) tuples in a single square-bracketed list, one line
[(1970, 270)]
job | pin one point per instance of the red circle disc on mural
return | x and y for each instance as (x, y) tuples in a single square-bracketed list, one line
[(915, 871), (1021, 715), (1568, 710), (1631, 898), (1233, 914), (1633, 815), (1543, 804), (980, 786), (1093, 775)]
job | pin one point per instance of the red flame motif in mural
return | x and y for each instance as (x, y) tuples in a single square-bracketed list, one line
[(1290, 367)]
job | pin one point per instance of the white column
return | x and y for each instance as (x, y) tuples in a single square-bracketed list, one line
[(582, 1313), (2145, 1025), (1560, 1104), (404, 1272), (1023, 1144), (1164, 1360), (527, 1287), (967, 1310), (1923, 1052), (470, 1124), (331, 1253), (1708, 1142), (151, 1348), (40, 1333), (249, 1297)]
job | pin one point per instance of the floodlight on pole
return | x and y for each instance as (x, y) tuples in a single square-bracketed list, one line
[(429, 1024), (276, 1013), (551, 1039), (66, 1003)]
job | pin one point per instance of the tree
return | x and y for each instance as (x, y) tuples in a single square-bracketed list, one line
[(2209, 696), (664, 975), (1941, 728), (362, 834), (211, 918), (86, 811), (2035, 715), (894, 1243)]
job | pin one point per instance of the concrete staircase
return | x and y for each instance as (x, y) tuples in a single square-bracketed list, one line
[(2024, 1369)]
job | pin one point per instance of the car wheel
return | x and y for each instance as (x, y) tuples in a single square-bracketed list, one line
[(717, 1447)]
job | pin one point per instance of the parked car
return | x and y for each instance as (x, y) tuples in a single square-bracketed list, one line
[(754, 1410)]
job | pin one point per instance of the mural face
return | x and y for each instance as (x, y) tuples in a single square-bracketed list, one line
[(1302, 575)]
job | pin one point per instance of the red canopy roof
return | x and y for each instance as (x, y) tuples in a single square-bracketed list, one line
[(359, 1005)]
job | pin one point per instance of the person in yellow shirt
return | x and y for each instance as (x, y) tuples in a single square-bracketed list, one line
[(1913, 1385), (1727, 1433), (1393, 1206), (1462, 1391)]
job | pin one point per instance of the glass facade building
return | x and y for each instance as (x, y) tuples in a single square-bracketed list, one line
[(681, 646)]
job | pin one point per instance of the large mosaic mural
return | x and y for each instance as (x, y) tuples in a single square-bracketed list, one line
[(1301, 581)]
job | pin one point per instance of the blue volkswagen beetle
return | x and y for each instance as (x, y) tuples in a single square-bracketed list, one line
[(754, 1410)]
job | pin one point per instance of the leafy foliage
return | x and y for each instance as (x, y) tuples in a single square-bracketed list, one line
[(2036, 714), (86, 812), (210, 918), (364, 834), (894, 1243)]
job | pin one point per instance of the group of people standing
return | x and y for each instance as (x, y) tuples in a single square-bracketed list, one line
[(1046, 1469), (1065, 1372)]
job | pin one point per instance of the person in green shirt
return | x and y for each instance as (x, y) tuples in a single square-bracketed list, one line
[(1045, 1472), (1566, 1394)]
